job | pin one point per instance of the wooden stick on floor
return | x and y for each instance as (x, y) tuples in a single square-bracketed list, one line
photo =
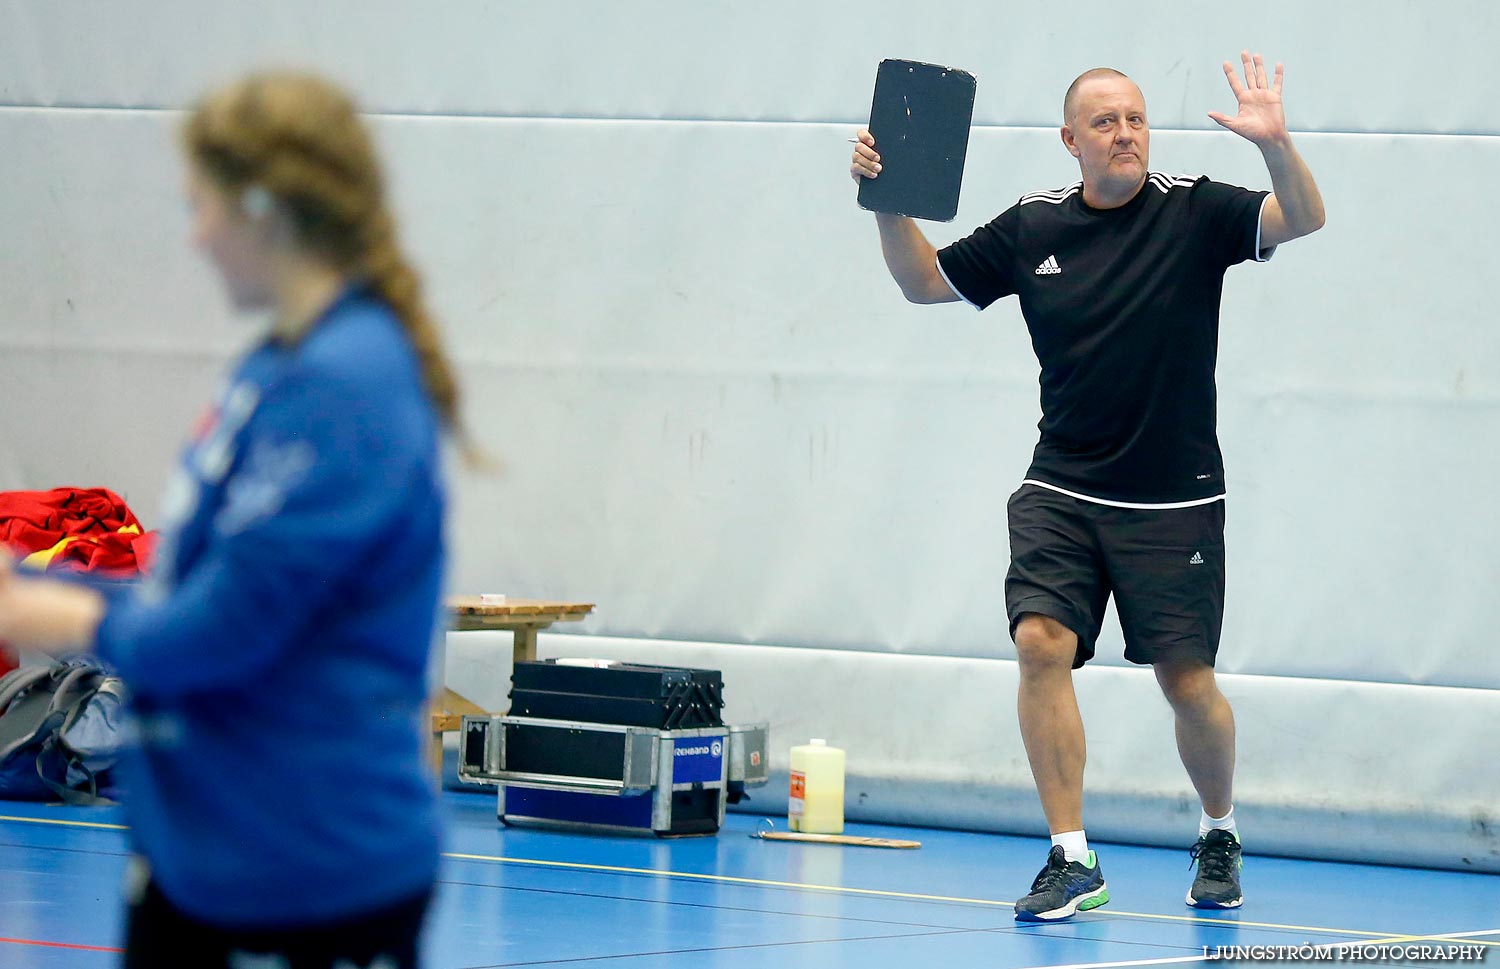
[(835, 839)]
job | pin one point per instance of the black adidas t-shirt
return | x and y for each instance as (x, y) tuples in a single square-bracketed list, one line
[(1123, 309)]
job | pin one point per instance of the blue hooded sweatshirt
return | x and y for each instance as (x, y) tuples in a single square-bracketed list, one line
[(277, 655)]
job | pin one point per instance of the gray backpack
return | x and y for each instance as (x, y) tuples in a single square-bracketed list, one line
[(60, 731)]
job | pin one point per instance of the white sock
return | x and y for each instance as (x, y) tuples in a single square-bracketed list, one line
[(1226, 823), (1074, 845)]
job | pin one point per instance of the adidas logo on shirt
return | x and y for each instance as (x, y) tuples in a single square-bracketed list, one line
[(1197, 559), (1049, 267)]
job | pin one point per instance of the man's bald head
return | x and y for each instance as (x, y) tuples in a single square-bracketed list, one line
[(1070, 100)]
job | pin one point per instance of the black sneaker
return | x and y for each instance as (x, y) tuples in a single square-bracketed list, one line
[(1062, 888), (1217, 855)]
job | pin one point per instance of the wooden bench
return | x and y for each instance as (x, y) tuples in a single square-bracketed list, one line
[(523, 618)]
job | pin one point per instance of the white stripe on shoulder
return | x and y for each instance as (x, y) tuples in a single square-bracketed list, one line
[(1062, 190), (1055, 196), (1048, 199), (1055, 191), (1165, 185)]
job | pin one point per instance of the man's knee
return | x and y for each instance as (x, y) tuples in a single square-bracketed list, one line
[(1043, 641), (1188, 685)]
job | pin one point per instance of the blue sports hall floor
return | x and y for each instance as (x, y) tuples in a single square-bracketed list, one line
[(517, 897)]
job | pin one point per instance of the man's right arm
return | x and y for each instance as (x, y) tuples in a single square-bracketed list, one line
[(911, 259)]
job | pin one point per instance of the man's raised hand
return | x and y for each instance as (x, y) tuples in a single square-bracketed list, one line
[(1260, 119)]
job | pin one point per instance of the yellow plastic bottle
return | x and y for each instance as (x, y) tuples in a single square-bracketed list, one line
[(816, 804)]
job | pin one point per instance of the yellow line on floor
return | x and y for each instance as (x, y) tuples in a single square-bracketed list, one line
[(881, 893), (68, 824)]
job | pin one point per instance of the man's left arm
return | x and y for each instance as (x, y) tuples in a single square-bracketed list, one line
[(1295, 207)]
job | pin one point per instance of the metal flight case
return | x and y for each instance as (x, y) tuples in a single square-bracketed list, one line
[(656, 775)]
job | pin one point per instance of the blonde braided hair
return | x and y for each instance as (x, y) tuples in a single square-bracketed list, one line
[(300, 139)]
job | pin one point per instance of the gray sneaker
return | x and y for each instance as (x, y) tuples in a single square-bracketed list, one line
[(1063, 888), (1217, 855)]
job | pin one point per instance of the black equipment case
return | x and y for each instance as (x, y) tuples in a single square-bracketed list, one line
[(629, 694)]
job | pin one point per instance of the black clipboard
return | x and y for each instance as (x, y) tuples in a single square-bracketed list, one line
[(920, 120)]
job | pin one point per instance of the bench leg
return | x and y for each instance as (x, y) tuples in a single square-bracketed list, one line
[(435, 747), (446, 715), (524, 650)]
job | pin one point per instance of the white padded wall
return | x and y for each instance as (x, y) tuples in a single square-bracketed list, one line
[(1399, 66), (718, 418)]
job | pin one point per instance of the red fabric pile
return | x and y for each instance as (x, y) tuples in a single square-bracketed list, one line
[(75, 530)]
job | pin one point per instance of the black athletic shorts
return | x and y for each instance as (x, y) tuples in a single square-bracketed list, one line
[(1164, 566), (159, 935)]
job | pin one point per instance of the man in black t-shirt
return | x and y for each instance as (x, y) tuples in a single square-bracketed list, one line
[(1119, 277)]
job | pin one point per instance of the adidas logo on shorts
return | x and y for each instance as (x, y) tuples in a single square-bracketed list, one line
[(1197, 559)]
